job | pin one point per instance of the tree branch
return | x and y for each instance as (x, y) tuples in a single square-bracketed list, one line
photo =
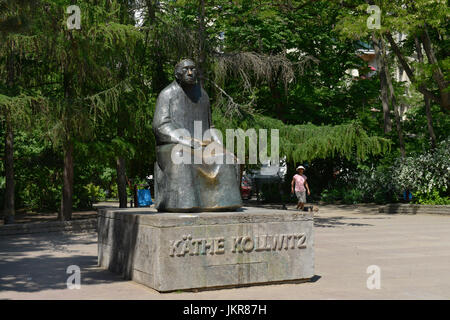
[(438, 76), (409, 71)]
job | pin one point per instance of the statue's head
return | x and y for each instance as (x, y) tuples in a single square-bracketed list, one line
[(186, 72)]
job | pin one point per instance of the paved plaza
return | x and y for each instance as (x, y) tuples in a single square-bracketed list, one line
[(412, 252)]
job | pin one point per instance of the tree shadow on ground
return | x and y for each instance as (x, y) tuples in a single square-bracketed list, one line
[(340, 221), (37, 217), (31, 263)]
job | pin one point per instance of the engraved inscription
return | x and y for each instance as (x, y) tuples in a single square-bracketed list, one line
[(195, 247), (243, 244)]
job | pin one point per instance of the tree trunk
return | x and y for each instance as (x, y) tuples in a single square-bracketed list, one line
[(430, 122), (201, 40), (383, 84), (399, 131), (438, 75), (9, 205), (276, 96), (393, 100), (410, 72), (9, 211), (121, 182), (427, 100), (135, 197), (159, 77), (67, 194)]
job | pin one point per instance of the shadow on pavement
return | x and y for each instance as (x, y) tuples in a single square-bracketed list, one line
[(339, 221), (30, 263)]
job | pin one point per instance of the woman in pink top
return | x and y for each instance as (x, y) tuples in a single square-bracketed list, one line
[(299, 185)]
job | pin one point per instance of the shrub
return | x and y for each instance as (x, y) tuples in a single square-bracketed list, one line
[(40, 190), (425, 172), (2, 190), (426, 175), (92, 194), (115, 191), (331, 196), (434, 197), (270, 192), (353, 196)]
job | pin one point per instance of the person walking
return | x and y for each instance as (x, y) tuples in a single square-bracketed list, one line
[(299, 186)]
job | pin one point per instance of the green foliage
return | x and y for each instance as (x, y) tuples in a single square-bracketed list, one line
[(270, 193), (415, 125), (353, 196), (411, 19), (267, 65), (434, 197), (37, 173), (425, 172), (343, 194), (114, 192), (404, 16), (425, 175), (94, 193), (331, 196), (308, 142)]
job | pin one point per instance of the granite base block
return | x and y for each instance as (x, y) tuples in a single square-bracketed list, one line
[(182, 251)]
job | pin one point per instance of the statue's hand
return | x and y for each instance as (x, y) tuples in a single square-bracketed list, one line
[(185, 142), (195, 144), (214, 135), (206, 142)]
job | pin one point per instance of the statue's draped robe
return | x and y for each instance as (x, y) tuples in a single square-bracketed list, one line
[(189, 187)]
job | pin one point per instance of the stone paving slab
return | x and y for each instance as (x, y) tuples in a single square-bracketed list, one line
[(414, 209), (82, 225), (412, 252)]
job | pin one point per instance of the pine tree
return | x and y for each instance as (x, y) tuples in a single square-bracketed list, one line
[(85, 65), (15, 103)]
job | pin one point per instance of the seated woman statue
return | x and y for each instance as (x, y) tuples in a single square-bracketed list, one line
[(192, 173)]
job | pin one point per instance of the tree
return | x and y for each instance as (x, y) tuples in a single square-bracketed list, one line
[(14, 37), (83, 67), (381, 62), (412, 19), (253, 55), (266, 65), (426, 99)]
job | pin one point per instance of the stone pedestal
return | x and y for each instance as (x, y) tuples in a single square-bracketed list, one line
[(176, 251)]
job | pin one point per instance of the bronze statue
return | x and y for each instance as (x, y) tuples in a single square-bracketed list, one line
[(182, 116)]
